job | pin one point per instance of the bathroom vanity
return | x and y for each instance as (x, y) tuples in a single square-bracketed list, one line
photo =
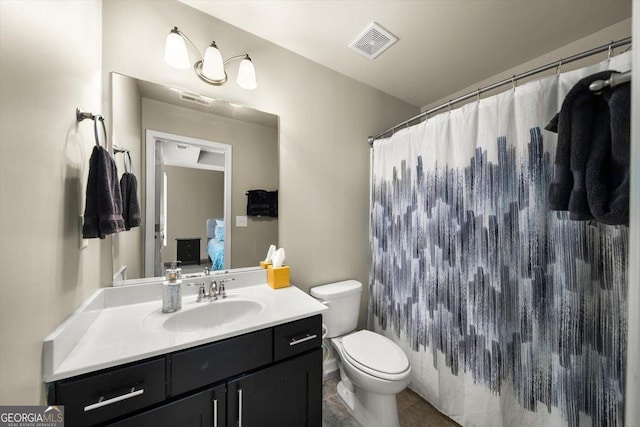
[(134, 366)]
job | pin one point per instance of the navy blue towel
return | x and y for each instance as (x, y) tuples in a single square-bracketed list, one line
[(609, 168), (130, 205), (103, 206), (591, 176)]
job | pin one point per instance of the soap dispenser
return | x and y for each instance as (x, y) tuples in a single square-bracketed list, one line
[(171, 298)]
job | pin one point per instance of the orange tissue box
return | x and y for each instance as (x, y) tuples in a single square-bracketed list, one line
[(278, 277), (265, 264)]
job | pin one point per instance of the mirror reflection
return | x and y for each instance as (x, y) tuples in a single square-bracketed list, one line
[(195, 158)]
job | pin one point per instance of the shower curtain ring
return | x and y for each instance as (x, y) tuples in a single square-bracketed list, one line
[(610, 50), (513, 82), (478, 95), (558, 67), (449, 105)]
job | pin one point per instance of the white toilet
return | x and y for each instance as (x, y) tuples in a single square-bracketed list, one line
[(373, 369)]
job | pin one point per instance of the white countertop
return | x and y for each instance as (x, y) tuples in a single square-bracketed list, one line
[(121, 325)]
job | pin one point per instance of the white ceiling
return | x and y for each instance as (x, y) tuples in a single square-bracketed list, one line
[(444, 46)]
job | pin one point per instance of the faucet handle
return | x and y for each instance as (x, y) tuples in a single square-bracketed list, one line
[(202, 292), (221, 292)]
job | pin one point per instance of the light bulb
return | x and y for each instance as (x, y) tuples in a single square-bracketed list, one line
[(175, 51), (247, 74), (212, 66)]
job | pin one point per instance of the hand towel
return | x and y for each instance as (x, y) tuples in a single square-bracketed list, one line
[(130, 205), (103, 205)]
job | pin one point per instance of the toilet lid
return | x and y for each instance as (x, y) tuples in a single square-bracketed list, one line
[(375, 352)]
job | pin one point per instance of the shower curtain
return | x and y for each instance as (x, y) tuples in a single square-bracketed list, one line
[(510, 314)]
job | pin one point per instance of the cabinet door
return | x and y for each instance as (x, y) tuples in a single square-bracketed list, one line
[(207, 408), (286, 394)]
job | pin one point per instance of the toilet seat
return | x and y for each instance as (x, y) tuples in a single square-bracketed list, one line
[(376, 355)]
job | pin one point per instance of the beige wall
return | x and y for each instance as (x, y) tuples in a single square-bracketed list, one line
[(126, 122), (325, 119), (254, 166), (324, 166), (49, 64), (195, 195), (614, 32)]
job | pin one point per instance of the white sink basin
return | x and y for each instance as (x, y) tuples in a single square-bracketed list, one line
[(214, 314)]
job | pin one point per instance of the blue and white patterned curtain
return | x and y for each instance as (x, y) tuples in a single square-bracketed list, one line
[(511, 314)]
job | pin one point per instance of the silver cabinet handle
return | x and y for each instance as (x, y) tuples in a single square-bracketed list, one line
[(239, 407), (301, 340), (100, 403), (215, 412)]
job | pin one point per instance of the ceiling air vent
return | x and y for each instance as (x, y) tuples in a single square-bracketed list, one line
[(196, 99), (373, 41)]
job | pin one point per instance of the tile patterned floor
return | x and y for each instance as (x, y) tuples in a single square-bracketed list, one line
[(413, 411)]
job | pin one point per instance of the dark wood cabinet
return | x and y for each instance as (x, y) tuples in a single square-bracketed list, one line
[(271, 377), (206, 408), (218, 361), (188, 250), (285, 394), (93, 398)]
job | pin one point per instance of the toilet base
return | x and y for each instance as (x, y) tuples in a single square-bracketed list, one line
[(346, 396), (370, 409)]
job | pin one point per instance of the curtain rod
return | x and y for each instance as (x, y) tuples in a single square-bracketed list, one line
[(511, 80)]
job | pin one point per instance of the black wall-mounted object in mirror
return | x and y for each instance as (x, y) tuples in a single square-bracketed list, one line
[(262, 203)]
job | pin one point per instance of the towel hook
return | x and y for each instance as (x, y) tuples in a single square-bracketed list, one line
[(81, 115), (99, 118)]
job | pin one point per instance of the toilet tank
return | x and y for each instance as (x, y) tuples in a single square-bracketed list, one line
[(343, 300)]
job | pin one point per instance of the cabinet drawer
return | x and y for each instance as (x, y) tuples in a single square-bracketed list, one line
[(110, 394), (297, 337), (218, 361)]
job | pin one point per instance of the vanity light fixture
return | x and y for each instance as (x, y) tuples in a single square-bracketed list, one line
[(210, 67)]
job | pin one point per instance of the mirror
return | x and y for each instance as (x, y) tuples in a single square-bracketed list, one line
[(194, 158)]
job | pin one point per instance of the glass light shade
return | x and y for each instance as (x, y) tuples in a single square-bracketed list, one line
[(212, 66), (247, 74), (175, 51)]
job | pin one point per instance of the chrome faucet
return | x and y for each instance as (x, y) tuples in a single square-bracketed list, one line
[(213, 290), (202, 292), (216, 289)]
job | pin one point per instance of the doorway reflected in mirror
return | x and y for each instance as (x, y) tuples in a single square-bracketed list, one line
[(252, 136)]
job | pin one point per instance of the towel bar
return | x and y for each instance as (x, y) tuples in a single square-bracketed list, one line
[(82, 115)]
